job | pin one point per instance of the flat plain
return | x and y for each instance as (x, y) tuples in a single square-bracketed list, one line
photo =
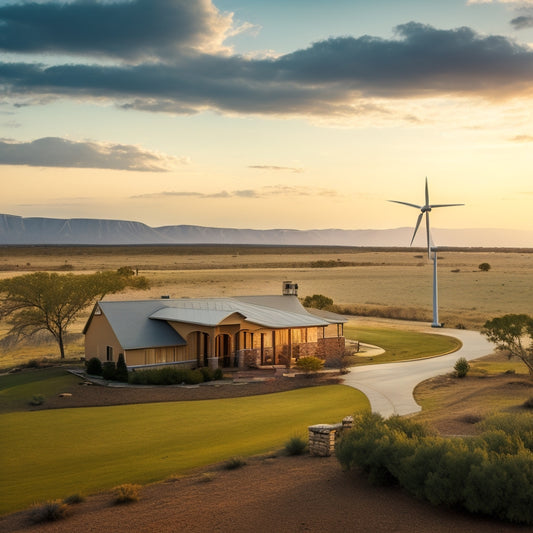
[(393, 283)]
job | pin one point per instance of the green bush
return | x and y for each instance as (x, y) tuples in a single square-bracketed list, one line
[(126, 493), (462, 366), (318, 301), (310, 364), (528, 404), (484, 267), (94, 366), (296, 446), (207, 373), (109, 370), (166, 375), (49, 512), (490, 474), (121, 373), (38, 399), (74, 499), (234, 463), (218, 374)]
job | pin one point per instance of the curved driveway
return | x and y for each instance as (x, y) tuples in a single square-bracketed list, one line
[(389, 387)]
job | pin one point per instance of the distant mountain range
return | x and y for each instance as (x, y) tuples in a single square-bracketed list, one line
[(17, 230)]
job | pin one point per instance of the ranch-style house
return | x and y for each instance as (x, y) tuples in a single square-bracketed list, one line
[(241, 332)]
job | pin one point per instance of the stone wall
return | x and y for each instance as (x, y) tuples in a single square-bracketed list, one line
[(322, 437), (331, 347)]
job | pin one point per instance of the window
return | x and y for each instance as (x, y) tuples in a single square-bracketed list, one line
[(109, 353)]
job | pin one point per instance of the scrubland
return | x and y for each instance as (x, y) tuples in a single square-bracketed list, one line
[(393, 283)]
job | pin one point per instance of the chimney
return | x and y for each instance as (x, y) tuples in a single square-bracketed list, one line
[(290, 288)]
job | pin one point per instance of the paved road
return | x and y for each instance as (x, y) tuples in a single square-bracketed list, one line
[(389, 387)]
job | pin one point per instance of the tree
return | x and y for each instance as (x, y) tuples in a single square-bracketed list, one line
[(51, 302), (318, 301), (514, 334), (484, 267)]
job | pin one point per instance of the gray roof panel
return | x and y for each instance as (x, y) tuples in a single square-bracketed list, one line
[(130, 324)]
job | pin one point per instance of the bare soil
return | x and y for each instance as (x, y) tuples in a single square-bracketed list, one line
[(276, 492), (269, 494)]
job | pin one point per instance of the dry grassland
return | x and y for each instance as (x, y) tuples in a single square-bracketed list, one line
[(393, 282)]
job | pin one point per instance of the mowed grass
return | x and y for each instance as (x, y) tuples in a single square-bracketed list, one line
[(401, 345), (17, 390), (51, 454)]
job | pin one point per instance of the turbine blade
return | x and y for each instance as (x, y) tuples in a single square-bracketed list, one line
[(445, 205), (406, 203), (427, 192), (418, 220)]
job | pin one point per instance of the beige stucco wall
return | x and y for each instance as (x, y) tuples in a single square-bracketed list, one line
[(98, 337)]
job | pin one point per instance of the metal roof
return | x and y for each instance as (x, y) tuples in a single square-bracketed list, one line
[(129, 321), (144, 323), (213, 311)]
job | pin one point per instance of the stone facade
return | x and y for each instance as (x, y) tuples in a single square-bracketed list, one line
[(322, 437), (328, 347)]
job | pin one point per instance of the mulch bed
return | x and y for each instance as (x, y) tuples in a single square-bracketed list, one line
[(99, 395)]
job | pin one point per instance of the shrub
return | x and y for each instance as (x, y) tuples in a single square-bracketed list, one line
[(49, 512), (207, 373), (491, 473), (309, 364), (484, 267), (193, 377), (296, 446), (74, 499), (218, 374), (462, 366), (121, 372), (234, 463), (94, 366), (126, 493), (528, 404), (318, 301), (109, 370), (38, 399)]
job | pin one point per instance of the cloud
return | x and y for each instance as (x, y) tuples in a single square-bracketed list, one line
[(57, 152), (262, 192), (125, 29), (179, 67), (523, 21), (522, 138), (276, 168)]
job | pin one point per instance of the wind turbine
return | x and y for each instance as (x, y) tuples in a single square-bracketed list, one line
[(425, 209)]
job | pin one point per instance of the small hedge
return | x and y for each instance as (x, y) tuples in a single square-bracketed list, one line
[(491, 473), (170, 375), (94, 366)]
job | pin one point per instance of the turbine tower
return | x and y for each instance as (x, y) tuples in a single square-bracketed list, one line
[(425, 209)]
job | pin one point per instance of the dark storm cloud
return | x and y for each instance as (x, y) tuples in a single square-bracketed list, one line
[(522, 22), (332, 77), (127, 29), (57, 152)]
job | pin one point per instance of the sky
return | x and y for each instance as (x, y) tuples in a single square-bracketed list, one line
[(304, 114)]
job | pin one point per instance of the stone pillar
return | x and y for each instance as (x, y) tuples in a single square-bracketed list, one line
[(322, 439)]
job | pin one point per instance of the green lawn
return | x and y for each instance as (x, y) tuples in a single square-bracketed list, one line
[(17, 390), (56, 453), (401, 345)]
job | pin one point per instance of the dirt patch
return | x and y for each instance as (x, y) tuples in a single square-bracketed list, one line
[(466, 401), (282, 494)]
